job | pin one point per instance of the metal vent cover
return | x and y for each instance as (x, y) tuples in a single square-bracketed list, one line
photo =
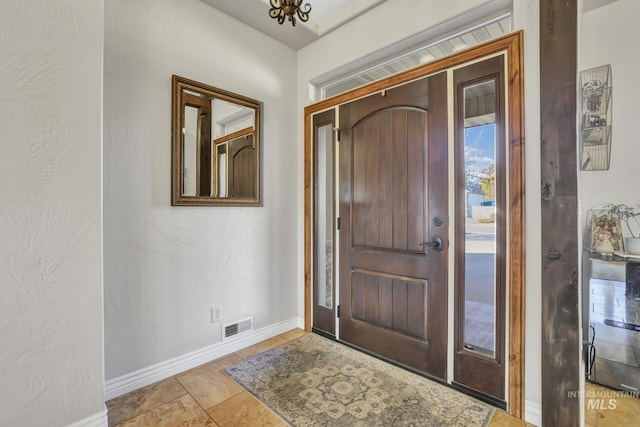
[(237, 327)]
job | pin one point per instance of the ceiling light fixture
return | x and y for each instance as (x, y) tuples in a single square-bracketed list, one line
[(280, 9)]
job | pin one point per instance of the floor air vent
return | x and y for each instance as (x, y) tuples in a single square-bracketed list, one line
[(237, 327)]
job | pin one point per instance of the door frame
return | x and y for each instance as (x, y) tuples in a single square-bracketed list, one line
[(512, 46)]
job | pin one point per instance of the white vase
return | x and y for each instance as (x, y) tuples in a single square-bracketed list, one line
[(633, 245)]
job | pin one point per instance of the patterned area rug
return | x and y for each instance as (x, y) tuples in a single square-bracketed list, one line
[(313, 381)]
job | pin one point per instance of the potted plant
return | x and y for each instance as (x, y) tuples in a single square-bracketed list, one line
[(629, 216)]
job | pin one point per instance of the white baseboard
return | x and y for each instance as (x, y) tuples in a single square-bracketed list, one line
[(532, 413), (97, 420), (143, 377)]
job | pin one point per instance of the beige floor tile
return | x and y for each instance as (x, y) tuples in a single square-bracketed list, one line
[(224, 362), (591, 419), (218, 364), (183, 411), (208, 385), (626, 413), (261, 347), (243, 410), (613, 411), (501, 419), (293, 334), (135, 403), (167, 403)]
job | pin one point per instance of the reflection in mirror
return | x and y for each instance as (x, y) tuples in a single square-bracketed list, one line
[(216, 146), (235, 157), (196, 154)]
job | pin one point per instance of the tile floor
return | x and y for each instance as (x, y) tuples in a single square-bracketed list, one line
[(204, 396), (605, 407)]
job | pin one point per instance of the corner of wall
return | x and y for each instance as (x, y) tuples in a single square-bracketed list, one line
[(142, 377), (97, 420)]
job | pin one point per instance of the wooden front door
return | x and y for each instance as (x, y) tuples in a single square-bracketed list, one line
[(393, 224), (242, 170)]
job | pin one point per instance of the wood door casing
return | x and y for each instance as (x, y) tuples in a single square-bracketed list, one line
[(393, 183), (512, 45)]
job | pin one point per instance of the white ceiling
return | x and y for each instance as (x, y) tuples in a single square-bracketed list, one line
[(325, 16)]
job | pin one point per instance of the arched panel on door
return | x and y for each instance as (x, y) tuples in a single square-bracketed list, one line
[(392, 187)]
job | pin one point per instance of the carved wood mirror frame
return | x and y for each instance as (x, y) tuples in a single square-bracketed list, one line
[(241, 120)]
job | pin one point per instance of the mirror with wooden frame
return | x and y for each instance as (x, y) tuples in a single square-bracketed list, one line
[(215, 146)]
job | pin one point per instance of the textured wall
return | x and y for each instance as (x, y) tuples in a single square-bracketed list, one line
[(526, 17), (165, 266), (51, 351), (605, 39)]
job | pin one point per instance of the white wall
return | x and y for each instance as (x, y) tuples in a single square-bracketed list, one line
[(526, 16), (51, 341), (401, 20), (165, 266), (606, 37)]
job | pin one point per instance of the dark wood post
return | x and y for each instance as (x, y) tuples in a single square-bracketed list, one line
[(560, 327)]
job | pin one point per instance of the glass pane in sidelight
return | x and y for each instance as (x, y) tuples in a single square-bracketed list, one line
[(480, 218), (324, 196)]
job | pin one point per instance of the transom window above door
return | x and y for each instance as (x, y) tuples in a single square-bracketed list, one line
[(475, 33)]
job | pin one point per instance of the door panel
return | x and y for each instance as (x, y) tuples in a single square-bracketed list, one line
[(393, 184), (392, 302), (384, 215)]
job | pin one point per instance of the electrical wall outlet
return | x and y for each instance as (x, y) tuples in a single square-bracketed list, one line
[(216, 313)]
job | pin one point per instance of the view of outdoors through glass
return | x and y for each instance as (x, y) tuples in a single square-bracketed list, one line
[(480, 220)]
